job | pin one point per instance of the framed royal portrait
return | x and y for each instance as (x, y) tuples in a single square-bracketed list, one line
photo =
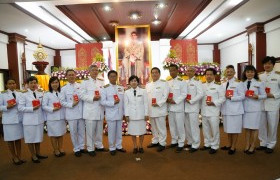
[(240, 69), (133, 56)]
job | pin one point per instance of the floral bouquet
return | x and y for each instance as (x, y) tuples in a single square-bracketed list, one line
[(171, 59), (61, 73), (98, 60), (200, 68)]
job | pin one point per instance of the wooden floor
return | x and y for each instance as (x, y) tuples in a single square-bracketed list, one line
[(153, 165)]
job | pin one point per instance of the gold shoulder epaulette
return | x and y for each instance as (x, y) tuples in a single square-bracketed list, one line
[(100, 79), (4, 91), (277, 72), (237, 80), (17, 90), (261, 72), (163, 80), (127, 88), (180, 79), (24, 91), (259, 80), (219, 83), (107, 85), (196, 79), (203, 82), (142, 86), (40, 90)]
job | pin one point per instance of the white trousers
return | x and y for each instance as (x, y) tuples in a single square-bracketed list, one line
[(192, 129), (268, 129), (158, 125), (115, 134), (176, 125), (211, 131), (94, 131), (77, 131)]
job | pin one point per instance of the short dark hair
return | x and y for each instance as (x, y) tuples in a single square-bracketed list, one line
[(112, 71), (31, 78), (69, 70), (230, 67), (52, 79), (156, 69), (9, 79), (173, 65), (133, 32), (269, 58), (133, 77), (210, 69), (249, 68)]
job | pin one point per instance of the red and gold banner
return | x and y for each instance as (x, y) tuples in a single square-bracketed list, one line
[(185, 49), (85, 53)]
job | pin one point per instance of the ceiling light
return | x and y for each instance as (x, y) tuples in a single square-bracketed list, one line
[(156, 22), (248, 19), (104, 38), (26, 30), (107, 8), (114, 23), (161, 5), (234, 2), (135, 16)]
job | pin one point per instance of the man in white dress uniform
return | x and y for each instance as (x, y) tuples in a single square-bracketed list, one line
[(93, 111), (192, 107), (73, 112), (112, 99), (214, 96), (176, 114), (269, 123), (157, 95)]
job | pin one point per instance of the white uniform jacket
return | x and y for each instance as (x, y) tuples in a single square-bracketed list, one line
[(48, 100), (194, 88)]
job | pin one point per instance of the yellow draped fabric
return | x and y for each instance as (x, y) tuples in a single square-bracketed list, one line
[(43, 81)]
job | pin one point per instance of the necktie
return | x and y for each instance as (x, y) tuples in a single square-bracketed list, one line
[(248, 85), (227, 85), (14, 95), (56, 94), (34, 94), (134, 92)]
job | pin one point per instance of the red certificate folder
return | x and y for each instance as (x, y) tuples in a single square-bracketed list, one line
[(154, 100), (229, 93), (170, 95), (250, 93), (12, 101), (267, 90), (189, 97), (75, 97), (35, 102), (56, 105), (116, 97), (96, 93), (208, 98)]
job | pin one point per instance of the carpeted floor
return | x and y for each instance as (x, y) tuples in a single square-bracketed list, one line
[(153, 165)]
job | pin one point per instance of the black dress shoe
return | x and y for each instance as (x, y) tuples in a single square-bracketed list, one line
[(121, 150), (41, 156), (173, 145), (57, 155), (231, 152), (141, 150), (113, 153), (225, 148), (78, 154), (268, 151), (101, 150), (135, 150), (192, 150), (212, 151), (92, 153), (22, 161), (35, 160), (261, 148), (246, 151), (160, 148), (251, 152), (83, 151), (152, 145), (187, 146), (62, 153), (205, 148), (179, 149), (17, 162)]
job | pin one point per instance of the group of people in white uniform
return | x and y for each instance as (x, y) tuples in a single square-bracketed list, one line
[(252, 104)]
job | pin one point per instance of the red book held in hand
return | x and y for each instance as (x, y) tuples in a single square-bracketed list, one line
[(96, 93), (189, 97), (116, 97), (56, 105), (35, 102), (12, 101), (250, 93), (154, 100), (229, 93), (267, 90), (75, 97), (208, 99), (170, 95)]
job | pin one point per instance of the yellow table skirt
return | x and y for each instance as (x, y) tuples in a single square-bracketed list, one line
[(43, 81)]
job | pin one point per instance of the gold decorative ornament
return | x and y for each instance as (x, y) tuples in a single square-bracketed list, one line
[(40, 54)]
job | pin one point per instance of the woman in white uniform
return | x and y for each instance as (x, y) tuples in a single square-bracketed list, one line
[(54, 116), (12, 120), (136, 112), (33, 119), (255, 93)]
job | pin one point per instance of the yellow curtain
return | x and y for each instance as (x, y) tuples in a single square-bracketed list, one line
[(43, 81)]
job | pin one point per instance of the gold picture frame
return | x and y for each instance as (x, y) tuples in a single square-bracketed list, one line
[(133, 52)]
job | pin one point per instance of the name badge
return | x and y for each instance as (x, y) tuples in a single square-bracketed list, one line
[(212, 88), (256, 86), (139, 95), (157, 87), (273, 79)]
